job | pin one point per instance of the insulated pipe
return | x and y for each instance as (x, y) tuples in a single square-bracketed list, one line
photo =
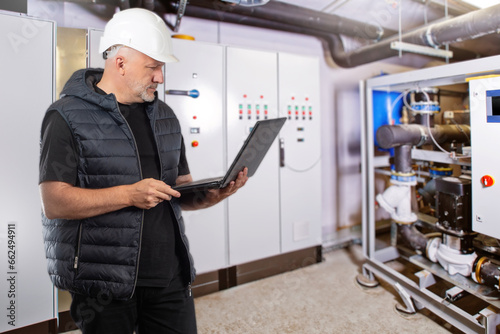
[(332, 41), (487, 272), (402, 159), (412, 237), (299, 16), (468, 26), (389, 136)]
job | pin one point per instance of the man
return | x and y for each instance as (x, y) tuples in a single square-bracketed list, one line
[(110, 152)]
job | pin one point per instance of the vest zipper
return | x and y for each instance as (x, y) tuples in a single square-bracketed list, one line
[(78, 245), (142, 216), (138, 255)]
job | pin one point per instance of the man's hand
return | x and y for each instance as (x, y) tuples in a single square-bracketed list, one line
[(148, 193), (211, 197), (218, 195)]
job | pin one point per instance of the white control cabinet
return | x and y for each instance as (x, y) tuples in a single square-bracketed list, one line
[(195, 91), (485, 126), (254, 212), (300, 172), (27, 66)]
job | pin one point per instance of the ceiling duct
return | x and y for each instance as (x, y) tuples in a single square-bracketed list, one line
[(271, 16), (305, 18), (468, 26)]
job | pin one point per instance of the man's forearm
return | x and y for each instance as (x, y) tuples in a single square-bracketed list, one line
[(69, 202)]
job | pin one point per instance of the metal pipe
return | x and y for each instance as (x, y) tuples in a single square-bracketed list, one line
[(371, 53), (402, 159), (468, 26), (331, 41), (412, 237), (487, 272), (299, 16), (389, 136)]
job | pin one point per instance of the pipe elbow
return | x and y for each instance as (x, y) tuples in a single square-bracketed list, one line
[(391, 197), (396, 200)]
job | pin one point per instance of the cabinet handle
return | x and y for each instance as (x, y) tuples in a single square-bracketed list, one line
[(194, 93)]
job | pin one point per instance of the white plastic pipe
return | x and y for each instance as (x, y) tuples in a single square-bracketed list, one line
[(396, 200)]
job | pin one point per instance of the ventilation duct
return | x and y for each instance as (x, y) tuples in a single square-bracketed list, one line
[(285, 17), (300, 17)]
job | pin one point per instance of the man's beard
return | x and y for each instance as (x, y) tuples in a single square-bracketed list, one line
[(143, 92)]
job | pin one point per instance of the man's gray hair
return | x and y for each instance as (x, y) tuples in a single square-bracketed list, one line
[(112, 51)]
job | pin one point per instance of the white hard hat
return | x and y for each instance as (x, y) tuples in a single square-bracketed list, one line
[(139, 29)]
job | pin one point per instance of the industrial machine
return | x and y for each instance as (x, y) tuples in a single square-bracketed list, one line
[(430, 226)]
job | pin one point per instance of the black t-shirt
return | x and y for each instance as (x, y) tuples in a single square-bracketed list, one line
[(58, 162)]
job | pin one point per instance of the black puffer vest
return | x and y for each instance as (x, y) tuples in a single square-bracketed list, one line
[(99, 255)]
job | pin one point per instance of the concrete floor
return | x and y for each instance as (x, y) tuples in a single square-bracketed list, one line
[(322, 298)]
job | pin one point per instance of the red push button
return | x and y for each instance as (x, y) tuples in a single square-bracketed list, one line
[(194, 143), (487, 181)]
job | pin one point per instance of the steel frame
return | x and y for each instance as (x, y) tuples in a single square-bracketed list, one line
[(416, 296)]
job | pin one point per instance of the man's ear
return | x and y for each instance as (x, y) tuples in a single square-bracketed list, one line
[(120, 64)]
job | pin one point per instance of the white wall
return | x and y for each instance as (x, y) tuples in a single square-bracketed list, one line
[(340, 110)]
